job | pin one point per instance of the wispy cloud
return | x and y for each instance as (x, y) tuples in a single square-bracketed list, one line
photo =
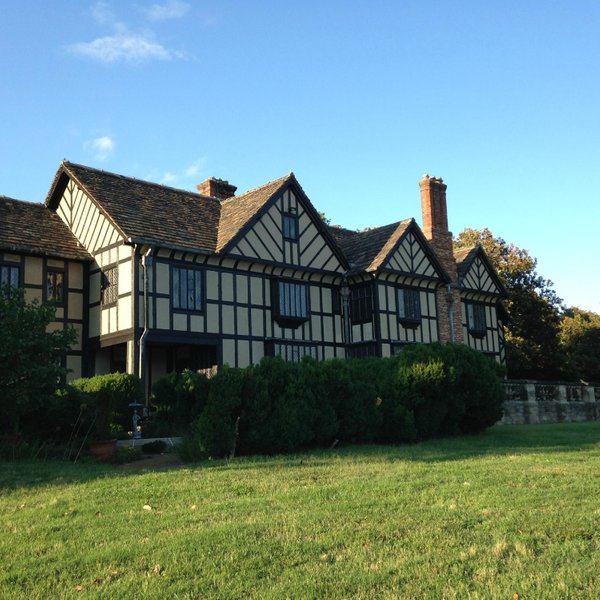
[(102, 147), (103, 14), (184, 177), (171, 9), (133, 48), (124, 45), (194, 169)]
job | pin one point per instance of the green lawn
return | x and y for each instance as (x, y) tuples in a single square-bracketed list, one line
[(512, 511)]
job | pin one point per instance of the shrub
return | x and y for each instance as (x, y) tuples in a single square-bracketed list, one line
[(155, 447), (427, 391), (214, 433), (277, 412), (179, 399), (454, 389), (109, 396)]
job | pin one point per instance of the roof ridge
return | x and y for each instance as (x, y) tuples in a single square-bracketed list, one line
[(28, 202), (255, 189), (144, 181)]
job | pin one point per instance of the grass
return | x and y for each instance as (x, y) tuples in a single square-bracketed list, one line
[(511, 511)]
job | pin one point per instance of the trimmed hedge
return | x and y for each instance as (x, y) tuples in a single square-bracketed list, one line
[(427, 391)]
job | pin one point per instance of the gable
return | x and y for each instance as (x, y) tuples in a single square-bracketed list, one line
[(479, 277), (86, 221), (412, 256), (264, 238)]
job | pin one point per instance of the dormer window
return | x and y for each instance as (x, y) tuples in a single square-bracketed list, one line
[(290, 226)]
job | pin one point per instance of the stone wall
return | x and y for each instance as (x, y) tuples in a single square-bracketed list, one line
[(547, 402)]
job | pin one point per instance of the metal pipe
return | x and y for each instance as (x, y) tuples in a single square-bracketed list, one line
[(146, 262)]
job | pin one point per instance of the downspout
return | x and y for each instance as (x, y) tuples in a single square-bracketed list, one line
[(450, 300), (146, 262), (345, 296)]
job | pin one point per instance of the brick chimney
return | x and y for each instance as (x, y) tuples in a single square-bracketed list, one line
[(216, 188), (435, 228)]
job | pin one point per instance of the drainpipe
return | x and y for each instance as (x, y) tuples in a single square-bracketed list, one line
[(345, 296), (146, 262), (450, 300)]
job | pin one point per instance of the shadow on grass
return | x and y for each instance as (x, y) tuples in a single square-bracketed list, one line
[(497, 441)]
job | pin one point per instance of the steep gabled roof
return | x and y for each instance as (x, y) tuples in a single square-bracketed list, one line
[(369, 250), (145, 210), (464, 259), (364, 249), (29, 227), (237, 211)]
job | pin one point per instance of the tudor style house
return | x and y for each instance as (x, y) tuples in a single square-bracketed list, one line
[(157, 279)]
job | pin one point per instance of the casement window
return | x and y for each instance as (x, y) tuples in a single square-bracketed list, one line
[(336, 301), (363, 350), (476, 319), (290, 352), (290, 226), (9, 275), (361, 304), (110, 285), (55, 285), (409, 306), (290, 303), (187, 289)]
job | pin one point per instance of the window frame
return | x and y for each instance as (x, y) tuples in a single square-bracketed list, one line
[(291, 350), (477, 330), (361, 307), (10, 266), (290, 233), (198, 279), (411, 318), (57, 271), (109, 289), (282, 314)]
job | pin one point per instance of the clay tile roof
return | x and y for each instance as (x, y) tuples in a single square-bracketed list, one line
[(29, 227), (367, 250), (463, 257), (238, 210), (146, 210)]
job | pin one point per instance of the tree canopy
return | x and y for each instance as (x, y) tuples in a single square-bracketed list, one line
[(534, 309), (31, 357), (580, 339)]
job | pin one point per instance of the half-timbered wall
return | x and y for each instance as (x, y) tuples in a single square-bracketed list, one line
[(267, 240), (491, 339), (236, 313), (33, 276), (411, 258), (110, 314), (393, 331), (409, 267), (479, 279), (481, 291)]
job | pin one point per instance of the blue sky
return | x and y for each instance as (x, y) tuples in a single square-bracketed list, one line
[(359, 99)]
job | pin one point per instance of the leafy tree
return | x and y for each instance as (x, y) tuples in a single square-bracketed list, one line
[(580, 339), (534, 309), (30, 356)]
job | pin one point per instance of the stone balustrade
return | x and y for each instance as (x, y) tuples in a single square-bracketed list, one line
[(550, 402)]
